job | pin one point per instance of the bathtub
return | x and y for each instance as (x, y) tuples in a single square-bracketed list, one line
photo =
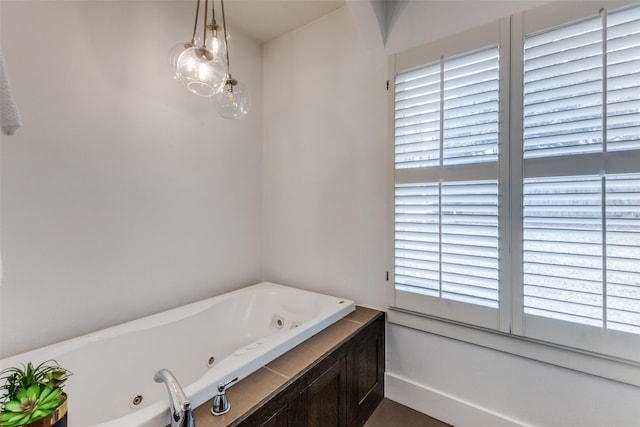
[(202, 344)]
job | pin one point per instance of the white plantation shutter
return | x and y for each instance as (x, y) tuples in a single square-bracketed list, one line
[(581, 192), (417, 118), (447, 240), (446, 211), (563, 249), (469, 242), (417, 237), (470, 92), (517, 187), (581, 256), (563, 91)]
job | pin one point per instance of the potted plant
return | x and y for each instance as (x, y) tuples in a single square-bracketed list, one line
[(33, 396)]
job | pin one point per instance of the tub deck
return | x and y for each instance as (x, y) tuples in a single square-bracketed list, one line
[(250, 394)]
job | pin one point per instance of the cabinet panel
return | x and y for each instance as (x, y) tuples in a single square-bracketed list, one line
[(367, 368), (326, 403), (367, 371)]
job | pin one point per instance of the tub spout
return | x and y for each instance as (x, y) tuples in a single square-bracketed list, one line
[(179, 405)]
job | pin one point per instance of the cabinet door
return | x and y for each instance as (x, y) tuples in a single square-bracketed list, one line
[(366, 378), (324, 402)]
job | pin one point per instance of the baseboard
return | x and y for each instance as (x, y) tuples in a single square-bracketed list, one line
[(442, 406)]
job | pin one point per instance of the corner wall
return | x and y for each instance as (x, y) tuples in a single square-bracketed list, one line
[(324, 161), (122, 194)]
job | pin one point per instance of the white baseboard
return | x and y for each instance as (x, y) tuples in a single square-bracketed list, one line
[(442, 406)]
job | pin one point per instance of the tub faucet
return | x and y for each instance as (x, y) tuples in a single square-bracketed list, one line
[(179, 405)]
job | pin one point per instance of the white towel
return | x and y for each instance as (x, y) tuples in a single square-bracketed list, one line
[(9, 114)]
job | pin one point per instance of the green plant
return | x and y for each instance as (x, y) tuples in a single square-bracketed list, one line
[(31, 393)]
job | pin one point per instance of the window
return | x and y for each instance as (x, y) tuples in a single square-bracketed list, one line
[(447, 120), (447, 132), (517, 180), (581, 210)]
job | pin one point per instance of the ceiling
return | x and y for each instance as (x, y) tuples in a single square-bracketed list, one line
[(265, 20)]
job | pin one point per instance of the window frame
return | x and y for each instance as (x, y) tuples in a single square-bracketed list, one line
[(494, 34), (570, 335), (515, 333)]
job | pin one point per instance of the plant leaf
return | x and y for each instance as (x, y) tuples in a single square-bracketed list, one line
[(14, 420), (33, 392), (46, 391), (21, 394), (13, 406)]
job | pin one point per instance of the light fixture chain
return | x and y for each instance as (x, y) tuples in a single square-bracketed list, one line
[(195, 23), (204, 29), (226, 46)]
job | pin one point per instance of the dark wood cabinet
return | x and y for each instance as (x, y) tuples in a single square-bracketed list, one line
[(324, 402), (341, 390), (367, 373)]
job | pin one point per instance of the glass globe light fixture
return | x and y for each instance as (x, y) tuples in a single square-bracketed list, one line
[(200, 71), (204, 68), (232, 101), (174, 55)]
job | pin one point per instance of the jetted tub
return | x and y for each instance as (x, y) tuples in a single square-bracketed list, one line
[(202, 344)]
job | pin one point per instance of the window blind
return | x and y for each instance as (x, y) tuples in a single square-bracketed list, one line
[(417, 117), (581, 96), (447, 240), (562, 249), (447, 112), (562, 105), (446, 222), (417, 240), (470, 98)]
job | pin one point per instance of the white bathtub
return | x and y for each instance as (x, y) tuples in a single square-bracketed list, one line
[(241, 330)]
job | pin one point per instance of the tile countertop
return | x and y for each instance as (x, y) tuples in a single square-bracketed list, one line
[(254, 390)]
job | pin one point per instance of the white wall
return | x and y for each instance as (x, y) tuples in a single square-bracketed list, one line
[(122, 194), (326, 161), (468, 385)]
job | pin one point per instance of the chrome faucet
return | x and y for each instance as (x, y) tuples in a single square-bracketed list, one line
[(179, 405), (221, 404)]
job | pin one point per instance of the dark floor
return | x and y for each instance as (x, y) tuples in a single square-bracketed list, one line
[(393, 414)]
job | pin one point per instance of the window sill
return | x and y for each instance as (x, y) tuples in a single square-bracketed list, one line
[(623, 371)]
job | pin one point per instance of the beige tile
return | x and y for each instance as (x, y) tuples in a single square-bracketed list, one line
[(362, 314), (243, 396), (299, 358), (393, 414)]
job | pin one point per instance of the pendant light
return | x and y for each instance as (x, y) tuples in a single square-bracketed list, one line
[(196, 66), (232, 100), (204, 69)]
